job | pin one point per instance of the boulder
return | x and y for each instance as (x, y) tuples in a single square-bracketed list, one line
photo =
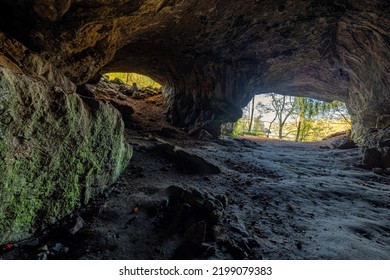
[(57, 148), (343, 143)]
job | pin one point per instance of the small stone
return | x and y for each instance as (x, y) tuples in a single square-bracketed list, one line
[(196, 234), (42, 256), (58, 247), (44, 248), (299, 245), (78, 226)]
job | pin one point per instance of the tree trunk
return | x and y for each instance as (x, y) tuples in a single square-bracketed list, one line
[(300, 120), (298, 129), (251, 115), (280, 131)]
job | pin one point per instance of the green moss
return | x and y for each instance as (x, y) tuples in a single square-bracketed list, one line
[(57, 153)]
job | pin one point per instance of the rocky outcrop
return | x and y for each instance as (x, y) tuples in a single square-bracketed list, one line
[(57, 149), (213, 56)]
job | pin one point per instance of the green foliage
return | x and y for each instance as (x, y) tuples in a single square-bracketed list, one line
[(310, 115), (130, 78), (241, 127)]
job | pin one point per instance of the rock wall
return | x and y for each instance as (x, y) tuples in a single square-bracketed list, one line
[(57, 150), (213, 56)]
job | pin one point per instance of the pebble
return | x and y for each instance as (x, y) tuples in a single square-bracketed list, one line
[(78, 226), (58, 247), (42, 256)]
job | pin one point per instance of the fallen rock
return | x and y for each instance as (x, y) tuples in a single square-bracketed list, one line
[(196, 234), (381, 171), (376, 157), (343, 143), (187, 161), (193, 212), (372, 158), (385, 157), (201, 134), (337, 134)]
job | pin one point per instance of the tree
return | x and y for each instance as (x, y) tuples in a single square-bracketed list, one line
[(307, 109), (295, 118), (252, 112), (258, 126), (263, 109), (284, 106)]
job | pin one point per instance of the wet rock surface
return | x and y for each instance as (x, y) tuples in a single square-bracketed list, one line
[(271, 200)]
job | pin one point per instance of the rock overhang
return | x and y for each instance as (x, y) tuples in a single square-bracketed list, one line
[(213, 56)]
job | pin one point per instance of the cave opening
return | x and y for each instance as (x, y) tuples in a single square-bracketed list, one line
[(135, 85), (292, 118), (160, 184)]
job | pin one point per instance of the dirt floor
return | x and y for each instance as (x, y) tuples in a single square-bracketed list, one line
[(185, 198)]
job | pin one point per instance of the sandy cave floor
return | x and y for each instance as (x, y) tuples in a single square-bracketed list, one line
[(281, 200)]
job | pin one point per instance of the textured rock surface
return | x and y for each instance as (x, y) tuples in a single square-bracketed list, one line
[(213, 56), (57, 149), (378, 153)]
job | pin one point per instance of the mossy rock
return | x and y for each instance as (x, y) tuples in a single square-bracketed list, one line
[(56, 152)]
